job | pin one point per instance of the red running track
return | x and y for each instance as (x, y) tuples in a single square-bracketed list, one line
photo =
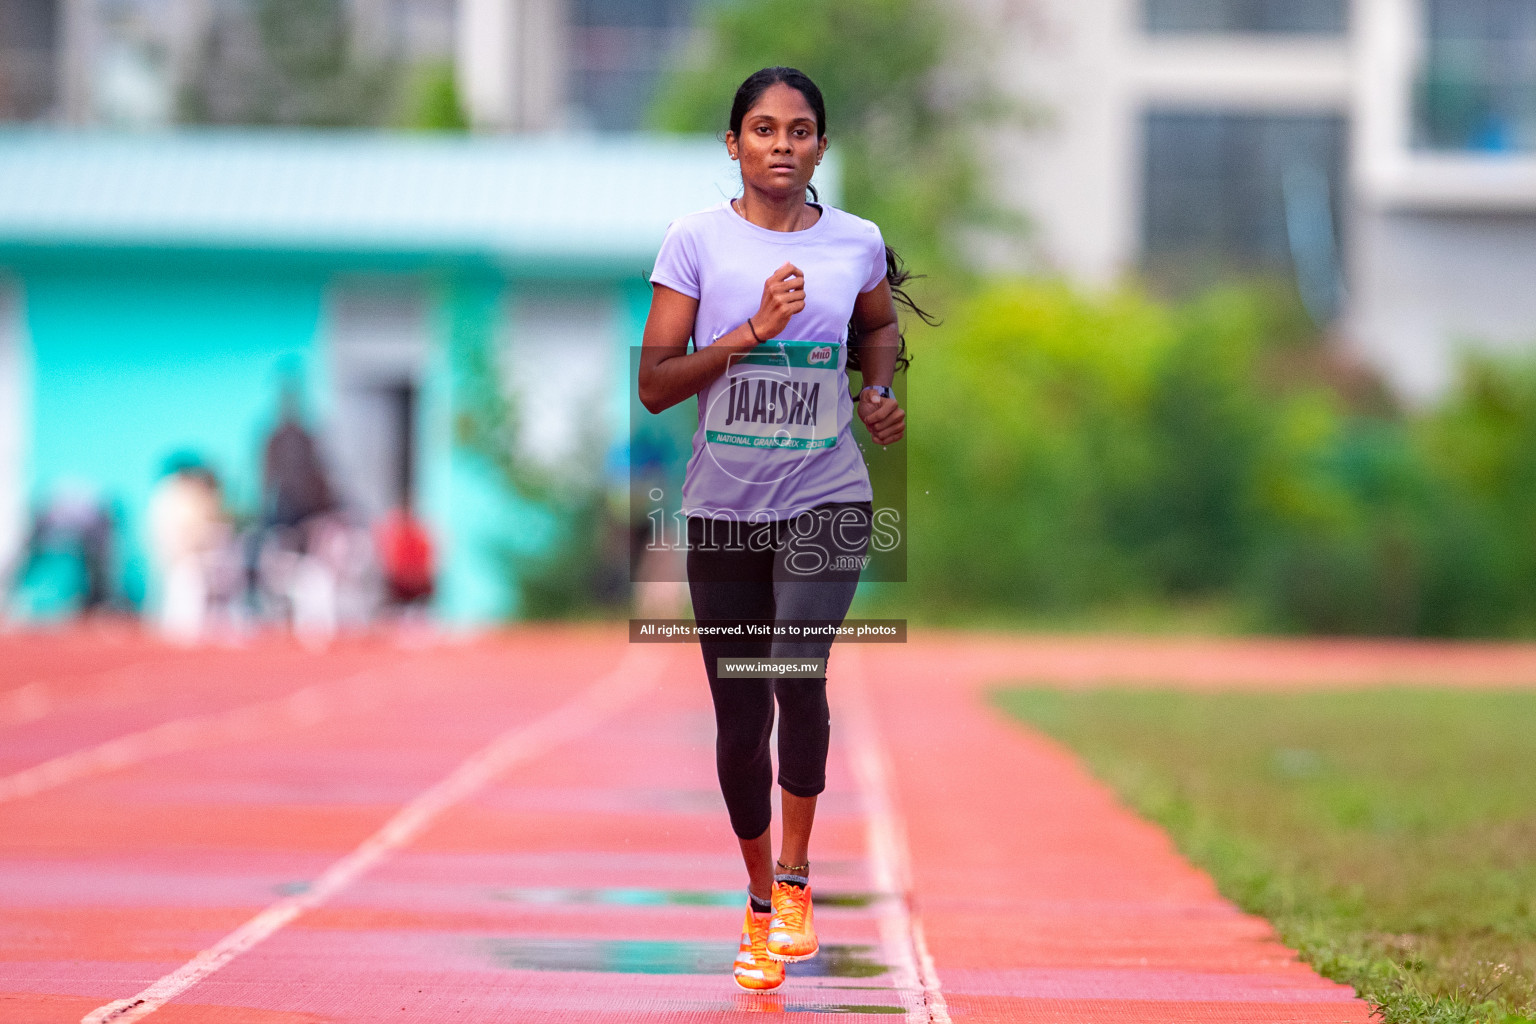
[(526, 828)]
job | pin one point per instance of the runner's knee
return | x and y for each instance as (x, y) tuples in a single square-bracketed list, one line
[(805, 728)]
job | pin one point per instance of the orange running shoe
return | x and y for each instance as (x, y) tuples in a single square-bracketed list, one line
[(755, 971), (791, 936)]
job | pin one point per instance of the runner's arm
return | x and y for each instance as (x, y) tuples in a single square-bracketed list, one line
[(669, 373), (874, 312)]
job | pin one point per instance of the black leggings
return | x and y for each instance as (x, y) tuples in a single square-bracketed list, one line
[(802, 569)]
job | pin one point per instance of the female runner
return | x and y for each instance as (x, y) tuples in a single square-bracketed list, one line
[(774, 291)]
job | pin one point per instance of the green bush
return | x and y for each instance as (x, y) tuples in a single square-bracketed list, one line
[(1375, 540), (1028, 415), (1072, 453)]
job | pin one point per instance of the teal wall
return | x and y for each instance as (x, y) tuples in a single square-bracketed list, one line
[(132, 364), (129, 368)]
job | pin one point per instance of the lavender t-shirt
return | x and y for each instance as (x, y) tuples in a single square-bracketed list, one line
[(775, 431)]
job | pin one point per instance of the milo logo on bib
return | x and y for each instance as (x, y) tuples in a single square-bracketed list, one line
[(781, 394)]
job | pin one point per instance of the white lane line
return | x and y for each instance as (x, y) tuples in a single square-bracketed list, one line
[(901, 931), (301, 708), (610, 694)]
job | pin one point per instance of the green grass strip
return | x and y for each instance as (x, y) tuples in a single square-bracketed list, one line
[(1389, 834)]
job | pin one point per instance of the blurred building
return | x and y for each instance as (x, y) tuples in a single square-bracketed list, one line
[(153, 287), (1382, 151), (517, 64), (157, 290)]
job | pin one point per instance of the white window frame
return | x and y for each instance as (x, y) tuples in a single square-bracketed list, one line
[(1389, 171)]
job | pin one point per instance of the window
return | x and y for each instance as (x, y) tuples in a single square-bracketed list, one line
[(1244, 193), (29, 31), (618, 49), (1476, 87), (1307, 16), (417, 30)]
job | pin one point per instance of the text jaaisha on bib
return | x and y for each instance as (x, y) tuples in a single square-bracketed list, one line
[(774, 398)]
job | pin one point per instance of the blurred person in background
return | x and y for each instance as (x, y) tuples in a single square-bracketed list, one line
[(300, 548), (294, 484), (65, 567), (406, 556), (190, 538)]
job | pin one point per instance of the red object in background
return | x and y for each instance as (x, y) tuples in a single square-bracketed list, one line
[(405, 550)]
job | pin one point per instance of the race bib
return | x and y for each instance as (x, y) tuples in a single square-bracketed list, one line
[(780, 394)]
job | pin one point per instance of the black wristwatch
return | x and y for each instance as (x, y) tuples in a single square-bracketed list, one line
[(879, 389)]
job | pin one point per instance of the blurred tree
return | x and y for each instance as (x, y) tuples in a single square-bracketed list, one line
[(905, 112), (1115, 451), (289, 62), (431, 100)]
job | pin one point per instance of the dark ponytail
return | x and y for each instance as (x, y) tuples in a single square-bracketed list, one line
[(896, 272), (896, 275)]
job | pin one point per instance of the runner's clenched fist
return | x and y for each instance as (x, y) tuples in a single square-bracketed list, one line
[(884, 417), (783, 297)]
